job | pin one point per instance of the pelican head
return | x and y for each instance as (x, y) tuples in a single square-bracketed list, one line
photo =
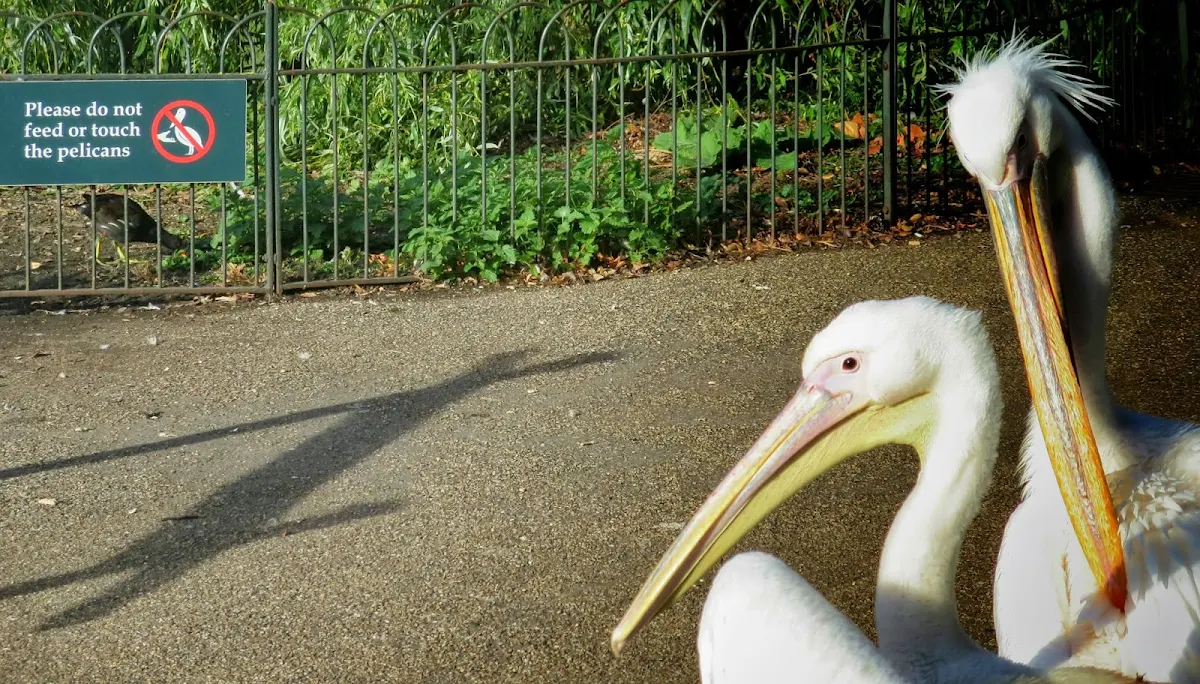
[(874, 376), (1010, 120), (1005, 111)]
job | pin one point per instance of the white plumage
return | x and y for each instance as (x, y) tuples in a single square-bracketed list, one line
[(1003, 109), (913, 371), (766, 624)]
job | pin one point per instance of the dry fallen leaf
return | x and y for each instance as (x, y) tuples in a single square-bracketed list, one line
[(852, 128), (914, 135), (35, 265)]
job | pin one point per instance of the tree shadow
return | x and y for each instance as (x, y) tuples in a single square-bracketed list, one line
[(231, 516)]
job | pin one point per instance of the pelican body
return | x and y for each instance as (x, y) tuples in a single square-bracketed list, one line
[(913, 371), (1119, 587)]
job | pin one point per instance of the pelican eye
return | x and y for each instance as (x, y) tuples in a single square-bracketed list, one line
[(1022, 141), (849, 364)]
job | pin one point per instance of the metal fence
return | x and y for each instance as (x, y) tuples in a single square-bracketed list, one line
[(462, 139)]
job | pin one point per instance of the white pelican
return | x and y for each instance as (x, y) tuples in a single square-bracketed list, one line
[(763, 623), (1052, 208), (912, 371)]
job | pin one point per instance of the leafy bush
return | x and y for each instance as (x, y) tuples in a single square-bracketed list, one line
[(772, 145), (355, 195), (454, 233)]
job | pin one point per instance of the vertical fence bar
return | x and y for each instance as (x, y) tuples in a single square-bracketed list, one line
[(335, 189), (125, 232), (944, 187), (796, 137), (906, 122), (820, 143), (724, 137), (621, 125), (926, 159), (699, 147), (774, 117), (866, 109), (26, 248), (58, 256), (567, 123), (537, 144), (749, 117), (512, 150), (304, 173), (674, 131), (271, 143), (595, 82), (646, 194), (1184, 103), (889, 111), (842, 137), (366, 168)]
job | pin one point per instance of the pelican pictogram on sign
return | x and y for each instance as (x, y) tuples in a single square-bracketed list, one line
[(181, 138)]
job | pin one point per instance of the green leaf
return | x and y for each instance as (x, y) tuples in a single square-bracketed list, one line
[(780, 162)]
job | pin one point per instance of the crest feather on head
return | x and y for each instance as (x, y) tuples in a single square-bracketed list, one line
[(1031, 62)]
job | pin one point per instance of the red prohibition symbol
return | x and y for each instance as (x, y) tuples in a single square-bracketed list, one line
[(194, 145)]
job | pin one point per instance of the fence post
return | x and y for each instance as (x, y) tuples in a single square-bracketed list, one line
[(1184, 51), (889, 111), (271, 141)]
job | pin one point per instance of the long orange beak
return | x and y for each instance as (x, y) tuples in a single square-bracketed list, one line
[(1021, 227)]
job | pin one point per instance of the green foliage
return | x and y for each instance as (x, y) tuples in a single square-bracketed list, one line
[(353, 115), (395, 165), (723, 131), (713, 135), (462, 231)]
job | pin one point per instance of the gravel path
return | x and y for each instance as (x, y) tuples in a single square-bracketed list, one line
[(467, 486)]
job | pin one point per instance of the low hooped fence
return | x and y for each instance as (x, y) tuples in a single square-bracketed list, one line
[(386, 143)]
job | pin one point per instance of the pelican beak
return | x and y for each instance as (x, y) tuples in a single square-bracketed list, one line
[(763, 479), (1021, 225)]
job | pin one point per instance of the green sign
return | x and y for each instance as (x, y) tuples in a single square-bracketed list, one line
[(105, 132)]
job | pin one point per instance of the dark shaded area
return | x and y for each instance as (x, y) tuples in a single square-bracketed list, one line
[(119, 218), (230, 516)]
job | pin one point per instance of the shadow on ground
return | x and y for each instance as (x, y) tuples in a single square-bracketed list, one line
[(217, 524)]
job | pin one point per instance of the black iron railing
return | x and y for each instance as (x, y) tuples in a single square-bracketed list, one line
[(386, 143)]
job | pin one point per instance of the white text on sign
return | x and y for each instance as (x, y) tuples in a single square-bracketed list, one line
[(88, 141)]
